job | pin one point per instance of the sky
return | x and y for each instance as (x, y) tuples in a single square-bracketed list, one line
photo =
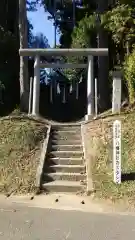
[(42, 25)]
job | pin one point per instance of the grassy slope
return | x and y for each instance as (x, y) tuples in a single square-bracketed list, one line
[(20, 145), (99, 138)]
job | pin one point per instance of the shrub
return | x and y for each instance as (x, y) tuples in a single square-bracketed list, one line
[(129, 75)]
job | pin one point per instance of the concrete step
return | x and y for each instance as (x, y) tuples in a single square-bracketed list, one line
[(66, 128), (62, 186), (66, 148), (65, 137), (67, 154), (64, 176), (66, 141), (65, 168), (65, 161), (66, 133)]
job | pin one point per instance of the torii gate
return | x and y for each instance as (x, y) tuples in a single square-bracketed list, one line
[(88, 52)]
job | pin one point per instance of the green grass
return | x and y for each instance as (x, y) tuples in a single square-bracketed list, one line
[(100, 141), (20, 147)]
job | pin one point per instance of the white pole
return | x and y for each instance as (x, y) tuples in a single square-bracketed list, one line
[(117, 151), (96, 104), (64, 95), (90, 90), (71, 88), (116, 97), (77, 90), (58, 88), (36, 86), (30, 95), (51, 92)]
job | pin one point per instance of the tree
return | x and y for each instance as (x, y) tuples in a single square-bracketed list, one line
[(120, 22), (103, 66), (87, 32), (9, 45), (24, 6), (9, 57), (24, 85), (65, 16), (39, 41), (84, 38)]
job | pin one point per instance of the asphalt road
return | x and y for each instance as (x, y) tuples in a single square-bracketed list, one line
[(20, 222)]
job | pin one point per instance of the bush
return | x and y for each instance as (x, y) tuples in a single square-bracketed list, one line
[(129, 75)]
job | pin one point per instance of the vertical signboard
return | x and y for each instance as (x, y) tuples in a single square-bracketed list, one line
[(117, 151)]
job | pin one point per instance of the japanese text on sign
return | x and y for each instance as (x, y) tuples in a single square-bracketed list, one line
[(117, 151)]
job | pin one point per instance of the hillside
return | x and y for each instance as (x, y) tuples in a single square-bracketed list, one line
[(100, 155), (20, 148)]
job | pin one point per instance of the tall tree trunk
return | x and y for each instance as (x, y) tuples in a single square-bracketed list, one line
[(24, 85), (103, 67)]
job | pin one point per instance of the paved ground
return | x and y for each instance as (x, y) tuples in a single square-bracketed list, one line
[(18, 222)]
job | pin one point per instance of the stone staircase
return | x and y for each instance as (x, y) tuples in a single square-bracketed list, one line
[(64, 169)]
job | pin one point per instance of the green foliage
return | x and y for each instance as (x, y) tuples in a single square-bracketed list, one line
[(82, 33), (78, 37), (129, 74), (121, 23), (82, 37)]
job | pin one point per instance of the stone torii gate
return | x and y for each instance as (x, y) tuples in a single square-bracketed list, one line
[(87, 52)]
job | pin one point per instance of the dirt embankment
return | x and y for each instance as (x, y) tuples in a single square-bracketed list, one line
[(20, 148), (99, 146)]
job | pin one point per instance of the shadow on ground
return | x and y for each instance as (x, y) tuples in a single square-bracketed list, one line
[(128, 177)]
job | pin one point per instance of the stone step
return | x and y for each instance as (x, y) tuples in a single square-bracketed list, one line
[(66, 128), (62, 186), (66, 137), (64, 176), (67, 154), (66, 141), (65, 168), (66, 148), (66, 133), (65, 161), (70, 131)]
